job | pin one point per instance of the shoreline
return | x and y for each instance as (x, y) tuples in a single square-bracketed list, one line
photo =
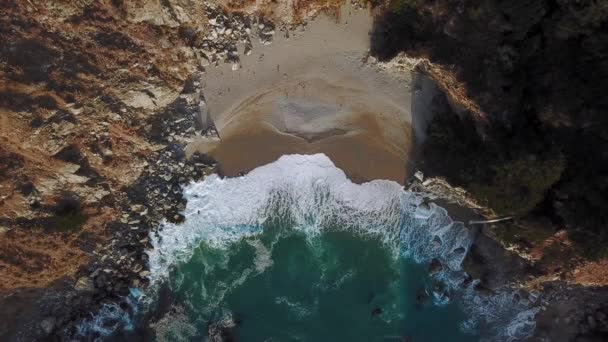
[(313, 92), (121, 148)]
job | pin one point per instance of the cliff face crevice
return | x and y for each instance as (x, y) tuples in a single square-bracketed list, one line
[(536, 142)]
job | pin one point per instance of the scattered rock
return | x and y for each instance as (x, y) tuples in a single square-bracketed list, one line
[(435, 267), (48, 325), (84, 284), (422, 297)]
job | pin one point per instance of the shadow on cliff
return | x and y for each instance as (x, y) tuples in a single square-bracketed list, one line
[(538, 69)]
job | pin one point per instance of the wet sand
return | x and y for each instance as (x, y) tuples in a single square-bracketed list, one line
[(311, 93)]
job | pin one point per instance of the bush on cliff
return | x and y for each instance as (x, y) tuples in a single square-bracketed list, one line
[(510, 180)]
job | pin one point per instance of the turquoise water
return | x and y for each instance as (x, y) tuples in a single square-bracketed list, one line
[(285, 285), (294, 251)]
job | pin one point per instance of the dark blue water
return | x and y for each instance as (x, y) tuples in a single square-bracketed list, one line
[(286, 286)]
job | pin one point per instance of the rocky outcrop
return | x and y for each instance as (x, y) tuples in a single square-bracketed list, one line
[(522, 119), (521, 129)]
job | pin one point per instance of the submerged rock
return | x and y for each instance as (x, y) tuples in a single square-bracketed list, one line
[(435, 267)]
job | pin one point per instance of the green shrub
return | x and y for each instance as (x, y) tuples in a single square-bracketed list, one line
[(400, 6), (519, 185)]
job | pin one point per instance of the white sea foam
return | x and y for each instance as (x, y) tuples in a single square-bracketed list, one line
[(313, 194), (110, 318)]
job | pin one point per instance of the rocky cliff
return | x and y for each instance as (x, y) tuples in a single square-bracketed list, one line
[(522, 125), (528, 77)]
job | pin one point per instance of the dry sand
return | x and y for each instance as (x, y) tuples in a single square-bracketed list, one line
[(312, 93)]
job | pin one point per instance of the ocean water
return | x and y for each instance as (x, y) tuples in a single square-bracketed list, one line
[(284, 285), (294, 251)]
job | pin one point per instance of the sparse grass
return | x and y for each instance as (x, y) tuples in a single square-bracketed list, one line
[(519, 185)]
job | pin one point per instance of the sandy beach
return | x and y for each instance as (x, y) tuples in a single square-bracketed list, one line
[(311, 93)]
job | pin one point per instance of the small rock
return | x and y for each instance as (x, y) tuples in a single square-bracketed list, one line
[(436, 241), (435, 266), (47, 325), (137, 208), (84, 284), (459, 250), (422, 296), (96, 272)]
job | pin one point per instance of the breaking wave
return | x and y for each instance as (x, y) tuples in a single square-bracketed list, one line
[(313, 194)]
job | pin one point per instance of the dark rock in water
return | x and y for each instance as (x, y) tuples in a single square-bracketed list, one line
[(376, 312), (436, 241), (422, 297), (480, 288), (459, 250), (370, 297), (435, 267), (467, 281), (440, 291), (222, 331), (238, 318)]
